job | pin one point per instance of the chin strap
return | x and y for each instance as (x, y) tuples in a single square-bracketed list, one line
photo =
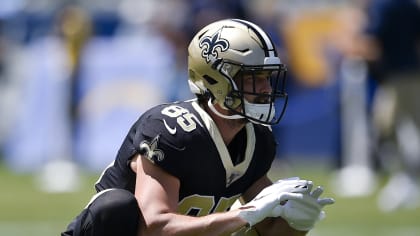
[(231, 117), (256, 111)]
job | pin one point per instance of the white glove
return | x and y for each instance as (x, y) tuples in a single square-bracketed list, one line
[(302, 213), (263, 204)]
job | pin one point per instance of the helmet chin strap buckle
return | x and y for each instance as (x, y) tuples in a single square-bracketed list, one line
[(229, 101)]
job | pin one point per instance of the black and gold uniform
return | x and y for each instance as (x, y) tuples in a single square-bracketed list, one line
[(182, 139)]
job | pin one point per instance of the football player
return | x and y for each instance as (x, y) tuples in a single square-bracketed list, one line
[(183, 165)]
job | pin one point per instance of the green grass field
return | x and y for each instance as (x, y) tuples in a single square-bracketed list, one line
[(25, 210)]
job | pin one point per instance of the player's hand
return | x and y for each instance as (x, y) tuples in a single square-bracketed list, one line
[(263, 204), (302, 213)]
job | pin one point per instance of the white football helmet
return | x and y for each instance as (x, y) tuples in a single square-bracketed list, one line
[(221, 53)]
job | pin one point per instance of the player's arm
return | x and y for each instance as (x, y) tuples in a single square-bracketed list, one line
[(269, 226), (157, 193)]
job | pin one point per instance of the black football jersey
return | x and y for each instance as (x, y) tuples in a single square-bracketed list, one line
[(182, 139)]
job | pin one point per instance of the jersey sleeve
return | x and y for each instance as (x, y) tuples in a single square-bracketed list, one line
[(155, 141)]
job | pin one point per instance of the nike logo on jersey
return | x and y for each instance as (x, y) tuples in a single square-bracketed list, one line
[(170, 130)]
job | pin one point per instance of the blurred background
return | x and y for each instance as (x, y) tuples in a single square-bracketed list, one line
[(75, 75)]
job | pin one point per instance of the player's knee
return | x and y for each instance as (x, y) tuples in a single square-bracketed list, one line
[(116, 203), (116, 212)]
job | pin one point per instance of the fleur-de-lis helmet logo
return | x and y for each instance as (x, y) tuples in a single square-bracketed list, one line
[(210, 44), (150, 150)]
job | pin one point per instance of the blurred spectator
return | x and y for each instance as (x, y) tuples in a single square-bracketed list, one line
[(393, 37), (327, 118), (40, 129), (120, 76), (310, 127), (45, 68), (8, 87), (355, 176)]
